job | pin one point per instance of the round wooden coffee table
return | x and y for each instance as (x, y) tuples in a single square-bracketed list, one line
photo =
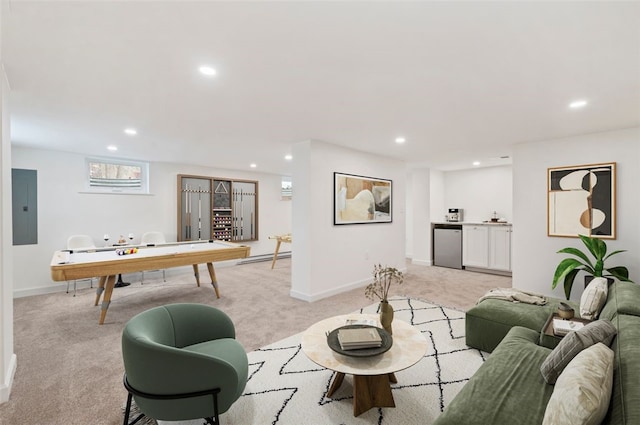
[(371, 375)]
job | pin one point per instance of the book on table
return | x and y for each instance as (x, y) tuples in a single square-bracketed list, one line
[(356, 338), (562, 327)]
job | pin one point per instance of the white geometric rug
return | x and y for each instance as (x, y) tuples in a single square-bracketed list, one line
[(286, 388)]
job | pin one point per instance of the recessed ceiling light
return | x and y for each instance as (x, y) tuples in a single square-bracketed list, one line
[(112, 148), (207, 70), (253, 165), (131, 131), (400, 140), (476, 163), (288, 157), (578, 104)]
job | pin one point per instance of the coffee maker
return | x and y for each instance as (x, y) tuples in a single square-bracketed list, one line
[(455, 214)]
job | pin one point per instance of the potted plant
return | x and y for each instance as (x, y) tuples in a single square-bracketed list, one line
[(569, 267), (383, 278)]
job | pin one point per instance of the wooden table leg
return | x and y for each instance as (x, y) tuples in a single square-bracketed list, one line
[(371, 391), (337, 381), (196, 274), (111, 282), (100, 289), (214, 281), (275, 254)]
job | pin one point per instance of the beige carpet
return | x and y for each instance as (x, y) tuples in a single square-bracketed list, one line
[(70, 368)]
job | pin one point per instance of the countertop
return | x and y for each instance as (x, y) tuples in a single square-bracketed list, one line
[(473, 223)]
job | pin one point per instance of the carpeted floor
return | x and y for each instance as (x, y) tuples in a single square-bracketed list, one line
[(285, 387), (70, 369)]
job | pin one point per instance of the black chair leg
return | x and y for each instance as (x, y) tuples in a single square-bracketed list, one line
[(215, 420), (127, 412)]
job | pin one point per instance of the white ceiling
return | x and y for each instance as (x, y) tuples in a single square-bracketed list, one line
[(459, 80)]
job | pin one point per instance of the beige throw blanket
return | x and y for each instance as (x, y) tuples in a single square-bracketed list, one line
[(514, 295)]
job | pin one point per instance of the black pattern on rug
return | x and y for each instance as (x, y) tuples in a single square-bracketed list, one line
[(285, 387)]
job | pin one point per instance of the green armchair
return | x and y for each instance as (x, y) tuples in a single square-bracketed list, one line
[(182, 362)]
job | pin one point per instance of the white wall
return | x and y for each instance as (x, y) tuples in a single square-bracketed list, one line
[(330, 259), (480, 192), (419, 183), (534, 253), (63, 211), (408, 241), (436, 199), (7, 356), (425, 187)]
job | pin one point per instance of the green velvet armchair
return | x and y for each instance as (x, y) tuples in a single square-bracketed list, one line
[(182, 362)]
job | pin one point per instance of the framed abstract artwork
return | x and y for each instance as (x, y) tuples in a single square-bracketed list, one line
[(581, 200), (360, 200)]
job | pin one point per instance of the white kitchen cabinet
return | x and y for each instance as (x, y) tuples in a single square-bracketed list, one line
[(486, 246), (500, 248), (475, 246)]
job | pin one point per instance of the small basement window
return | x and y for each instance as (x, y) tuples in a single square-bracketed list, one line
[(286, 188), (117, 176)]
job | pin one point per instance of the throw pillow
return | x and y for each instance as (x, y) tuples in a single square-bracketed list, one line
[(583, 391), (593, 298), (574, 342)]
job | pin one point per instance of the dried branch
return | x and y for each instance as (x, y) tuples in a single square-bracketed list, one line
[(383, 278)]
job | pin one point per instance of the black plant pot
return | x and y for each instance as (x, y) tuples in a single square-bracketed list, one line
[(588, 278)]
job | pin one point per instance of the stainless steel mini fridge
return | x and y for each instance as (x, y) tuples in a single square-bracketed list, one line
[(447, 246)]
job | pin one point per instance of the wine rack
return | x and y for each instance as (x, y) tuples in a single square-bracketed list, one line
[(217, 208)]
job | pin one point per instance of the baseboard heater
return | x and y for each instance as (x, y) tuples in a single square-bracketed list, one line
[(264, 257)]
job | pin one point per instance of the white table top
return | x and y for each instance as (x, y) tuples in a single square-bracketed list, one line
[(110, 253), (409, 346)]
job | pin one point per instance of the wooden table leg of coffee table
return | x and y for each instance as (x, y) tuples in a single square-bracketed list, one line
[(392, 378), (371, 391), (337, 381)]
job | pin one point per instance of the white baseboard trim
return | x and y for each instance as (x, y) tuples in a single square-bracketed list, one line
[(329, 293), (5, 388), (421, 262), (488, 271)]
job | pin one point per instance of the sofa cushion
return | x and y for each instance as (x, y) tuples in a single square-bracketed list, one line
[(507, 389), (572, 344), (582, 392), (593, 298)]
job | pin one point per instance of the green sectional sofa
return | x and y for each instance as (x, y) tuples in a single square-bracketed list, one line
[(509, 388)]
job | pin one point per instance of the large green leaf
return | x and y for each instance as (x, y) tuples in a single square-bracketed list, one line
[(568, 282), (613, 253), (566, 266), (620, 272), (596, 246), (577, 253)]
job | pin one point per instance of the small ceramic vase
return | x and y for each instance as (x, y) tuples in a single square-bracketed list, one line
[(386, 315)]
